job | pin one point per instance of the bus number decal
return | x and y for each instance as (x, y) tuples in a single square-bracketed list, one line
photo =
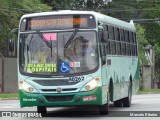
[(76, 79)]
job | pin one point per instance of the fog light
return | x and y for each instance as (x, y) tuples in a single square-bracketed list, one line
[(31, 89)]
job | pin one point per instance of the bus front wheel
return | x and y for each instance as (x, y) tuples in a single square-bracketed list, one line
[(104, 109), (41, 109)]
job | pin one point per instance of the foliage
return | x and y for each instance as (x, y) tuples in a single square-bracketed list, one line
[(10, 13), (157, 63), (157, 53), (59, 4), (142, 42), (95, 5)]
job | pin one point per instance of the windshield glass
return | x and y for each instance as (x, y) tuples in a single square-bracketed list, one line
[(58, 53)]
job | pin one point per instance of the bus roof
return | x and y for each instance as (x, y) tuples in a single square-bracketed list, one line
[(99, 17)]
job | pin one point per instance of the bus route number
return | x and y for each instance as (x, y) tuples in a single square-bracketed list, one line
[(76, 79)]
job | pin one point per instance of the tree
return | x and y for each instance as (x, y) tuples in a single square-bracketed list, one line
[(142, 42), (10, 13), (157, 65)]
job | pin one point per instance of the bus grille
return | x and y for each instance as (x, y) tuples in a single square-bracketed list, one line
[(54, 90), (59, 98), (54, 82)]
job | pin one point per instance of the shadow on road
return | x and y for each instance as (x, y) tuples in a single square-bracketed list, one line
[(83, 111), (74, 112)]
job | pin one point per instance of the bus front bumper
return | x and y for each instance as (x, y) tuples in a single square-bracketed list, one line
[(93, 97)]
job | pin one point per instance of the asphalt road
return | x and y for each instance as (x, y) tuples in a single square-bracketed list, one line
[(147, 105)]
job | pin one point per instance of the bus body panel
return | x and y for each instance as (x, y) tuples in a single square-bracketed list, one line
[(120, 72), (79, 98)]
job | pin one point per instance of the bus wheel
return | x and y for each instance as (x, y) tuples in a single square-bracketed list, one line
[(41, 109), (118, 103), (127, 100), (104, 109)]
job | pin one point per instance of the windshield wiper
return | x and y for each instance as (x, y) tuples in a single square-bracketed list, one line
[(45, 41), (71, 38)]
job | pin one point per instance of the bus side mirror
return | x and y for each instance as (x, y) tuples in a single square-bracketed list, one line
[(102, 47), (104, 36), (11, 45)]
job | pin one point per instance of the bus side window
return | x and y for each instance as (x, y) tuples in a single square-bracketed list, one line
[(122, 34), (133, 50), (111, 32), (108, 48), (135, 38), (127, 36), (111, 39), (122, 39), (113, 47), (131, 37), (102, 47), (129, 49), (123, 48), (118, 47), (117, 34), (136, 49), (118, 42)]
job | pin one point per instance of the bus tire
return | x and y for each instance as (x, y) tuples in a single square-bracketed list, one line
[(127, 100), (41, 109), (118, 103), (103, 109)]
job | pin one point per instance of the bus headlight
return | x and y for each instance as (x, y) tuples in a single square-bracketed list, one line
[(91, 84), (27, 87)]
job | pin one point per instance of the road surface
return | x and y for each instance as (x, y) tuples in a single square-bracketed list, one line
[(142, 105)]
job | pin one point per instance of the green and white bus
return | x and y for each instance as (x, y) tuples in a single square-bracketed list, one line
[(75, 58)]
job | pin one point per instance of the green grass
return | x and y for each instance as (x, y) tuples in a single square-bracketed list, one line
[(149, 91), (9, 95)]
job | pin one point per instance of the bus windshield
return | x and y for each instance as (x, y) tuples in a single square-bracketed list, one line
[(58, 52)]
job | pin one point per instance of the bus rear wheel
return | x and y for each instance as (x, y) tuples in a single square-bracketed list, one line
[(41, 109), (118, 103), (103, 109), (127, 100)]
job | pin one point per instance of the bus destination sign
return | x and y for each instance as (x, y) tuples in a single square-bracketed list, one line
[(58, 22)]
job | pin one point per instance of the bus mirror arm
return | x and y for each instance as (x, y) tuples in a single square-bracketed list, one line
[(104, 32)]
